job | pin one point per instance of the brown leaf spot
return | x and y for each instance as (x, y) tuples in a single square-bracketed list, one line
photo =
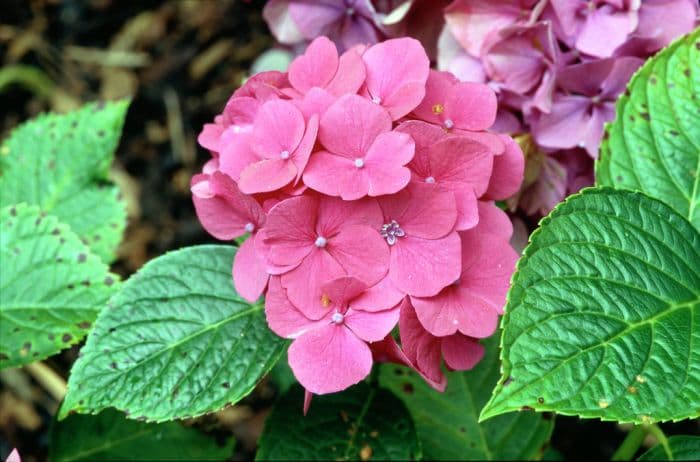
[(84, 324), (81, 257), (66, 338), (407, 388)]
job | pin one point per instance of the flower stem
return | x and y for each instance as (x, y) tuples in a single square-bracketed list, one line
[(656, 431), (631, 444)]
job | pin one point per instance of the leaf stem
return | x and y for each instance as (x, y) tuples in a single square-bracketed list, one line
[(630, 445)]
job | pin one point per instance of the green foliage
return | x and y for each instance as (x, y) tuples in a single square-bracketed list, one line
[(358, 424), (447, 423), (176, 341), (109, 436), (682, 448), (603, 314), (654, 143), (61, 164), (51, 286)]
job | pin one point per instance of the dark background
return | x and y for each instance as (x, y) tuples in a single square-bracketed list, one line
[(179, 61)]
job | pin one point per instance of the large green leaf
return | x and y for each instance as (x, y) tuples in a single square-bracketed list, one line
[(51, 286), (654, 143), (682, 448), (109, 436), (447, 423), (176, 341), (61, 163), (603, 317), (357, 424)]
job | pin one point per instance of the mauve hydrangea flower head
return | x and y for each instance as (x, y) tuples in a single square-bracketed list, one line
[(557, 68), (361, 203)]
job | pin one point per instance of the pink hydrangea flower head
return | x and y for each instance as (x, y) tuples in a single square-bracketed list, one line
[(321, 67), (454, 104), (397, 70), (363, 156), (472, 303)]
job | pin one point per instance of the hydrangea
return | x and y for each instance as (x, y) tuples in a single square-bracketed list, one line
[(557, 67), (366, 184)]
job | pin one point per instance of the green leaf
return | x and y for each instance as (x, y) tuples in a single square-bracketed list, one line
[(51, 286), (61, 163), (682, 448), (175, 342), (654, 143), (357, 424), (603, 315), (447, 423), (109, 436)]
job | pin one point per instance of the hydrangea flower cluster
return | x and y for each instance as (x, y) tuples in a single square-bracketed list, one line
[(367, 184), (557, 66)]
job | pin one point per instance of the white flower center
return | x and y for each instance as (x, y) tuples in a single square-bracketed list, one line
[(337, 318), (321, 242), (391, 232), (284, 155), (350, 11), (377, 100), (448, 123), (359, 163), (249, 227), (430, 180)]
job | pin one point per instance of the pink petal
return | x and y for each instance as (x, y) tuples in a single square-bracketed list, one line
[(263, 252), (422, 211), (467, 211), (222, 209), (300, 157), (473, 21), (315, 102), (488, 262), (342, 290), (329, 359), (279, 127), (421, 348), (336, 176), (508, 171), (335, 214), (361, 252), (307, 401), (438, 89), (565, 126), (492, 141), (350, 76), (461, 353), (284, 318), (351, 124), (493, 220), (422, 267), (316, 67), (267, 175), (604, 31), (381, 296), (249, 274), (210, 136), (289, 231), (459, 162), (397, 71), (453, 310), (471, 106), (384, 163), (372, 326), (305, 282), (236, 155), (313, 18), (13, 456), (424, 135)]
